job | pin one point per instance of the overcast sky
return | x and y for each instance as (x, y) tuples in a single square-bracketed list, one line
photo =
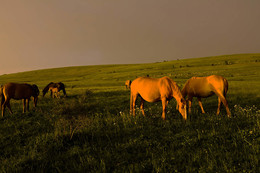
[(58, 33)]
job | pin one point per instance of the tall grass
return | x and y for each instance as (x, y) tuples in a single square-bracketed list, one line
[(105, 142)]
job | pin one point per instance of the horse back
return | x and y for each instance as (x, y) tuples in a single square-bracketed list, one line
[(17, 91), (147, 88), (153, 89), (197, 87)]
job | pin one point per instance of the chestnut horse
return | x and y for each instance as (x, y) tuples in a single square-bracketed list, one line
[(202, 87), (18, 91), (153, 90), (54, 88)]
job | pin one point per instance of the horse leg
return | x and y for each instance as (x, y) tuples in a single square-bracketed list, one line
[(24, 105), (27, 103), (134, 96), (190, 103), (142, 106), (219, 105), (200, 103), (164, 105), (224, 101), (2, 101), (9, 107), (3, 108)]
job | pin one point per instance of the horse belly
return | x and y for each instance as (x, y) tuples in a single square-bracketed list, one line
[(204, 94), (22, 93), (201, 90), (150, 96)]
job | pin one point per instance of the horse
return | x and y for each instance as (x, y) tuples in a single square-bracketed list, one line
[(156, 89), (18, 92), (54, 92), (128, 84), (55, 88), (203, 87)]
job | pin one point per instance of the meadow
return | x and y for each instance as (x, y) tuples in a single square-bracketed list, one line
[(91, 130)]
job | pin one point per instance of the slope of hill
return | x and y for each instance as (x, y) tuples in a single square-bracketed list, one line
[(233, 67)]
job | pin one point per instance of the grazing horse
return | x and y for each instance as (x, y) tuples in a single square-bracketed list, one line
[(18, 91), (128, 84), (153, 90), (54, 88), (202, 87)]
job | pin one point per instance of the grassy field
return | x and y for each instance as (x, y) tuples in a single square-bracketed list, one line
[(91, 130)]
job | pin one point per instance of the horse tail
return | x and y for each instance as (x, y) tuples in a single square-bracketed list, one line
[(130, 82), (225, 87), (2, 96), (46, 89)]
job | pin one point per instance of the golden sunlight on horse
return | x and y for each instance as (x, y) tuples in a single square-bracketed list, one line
[(55, 88), (54, 92), (153, 90), (18, 92), (202, 87)]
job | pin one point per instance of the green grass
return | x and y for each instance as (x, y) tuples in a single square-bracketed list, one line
[(91, 130)]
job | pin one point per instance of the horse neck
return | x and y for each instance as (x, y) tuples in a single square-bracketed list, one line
[(184, 90), (177, 94)]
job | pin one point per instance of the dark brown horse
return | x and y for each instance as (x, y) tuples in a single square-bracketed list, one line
[(202, 87), (18, 92), (54, 88), (153, 90)]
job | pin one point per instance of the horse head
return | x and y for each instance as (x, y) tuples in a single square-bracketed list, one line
[(182, 108), (61, 86)]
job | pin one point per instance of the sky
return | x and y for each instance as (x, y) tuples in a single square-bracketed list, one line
[(60, 33)]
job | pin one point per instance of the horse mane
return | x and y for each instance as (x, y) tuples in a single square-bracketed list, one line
[(184, 89), (177, 90), (46, 89)]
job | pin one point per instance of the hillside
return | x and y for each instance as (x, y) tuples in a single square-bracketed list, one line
[(233, 67), (242, 72)]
